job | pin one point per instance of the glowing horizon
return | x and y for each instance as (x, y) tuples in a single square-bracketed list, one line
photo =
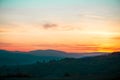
[(67, 25)]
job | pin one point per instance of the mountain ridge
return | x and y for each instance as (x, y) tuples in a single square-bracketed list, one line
[(18, 57)]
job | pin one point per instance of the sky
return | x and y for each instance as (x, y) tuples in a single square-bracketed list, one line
[(67, 25)]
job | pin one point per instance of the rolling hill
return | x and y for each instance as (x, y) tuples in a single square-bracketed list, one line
[(102, 67)]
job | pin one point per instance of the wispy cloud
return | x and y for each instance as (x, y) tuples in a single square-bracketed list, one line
[(3, 44), (2, 31), (116, 38), (49, 25), (66, 47)]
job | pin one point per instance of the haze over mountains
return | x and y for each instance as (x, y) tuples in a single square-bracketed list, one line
[(17, 57), (102, 67)]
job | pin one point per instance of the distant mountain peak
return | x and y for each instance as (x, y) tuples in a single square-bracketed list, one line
[(4, 51), (50, 50)]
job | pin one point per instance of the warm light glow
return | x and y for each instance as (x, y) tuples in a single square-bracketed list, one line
[(63, 27)]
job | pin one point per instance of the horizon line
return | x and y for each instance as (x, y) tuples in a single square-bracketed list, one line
[(58, 50)]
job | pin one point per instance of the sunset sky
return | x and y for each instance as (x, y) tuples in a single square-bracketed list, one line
[(67, 25)]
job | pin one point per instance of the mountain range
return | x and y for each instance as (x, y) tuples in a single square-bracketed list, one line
[(18, 57), (102, 67)]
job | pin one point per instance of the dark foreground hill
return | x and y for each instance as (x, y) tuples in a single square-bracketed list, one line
[(20, 58), (104, 67)]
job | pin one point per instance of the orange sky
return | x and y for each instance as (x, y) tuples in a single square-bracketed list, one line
[(71, 41), (93, 28)]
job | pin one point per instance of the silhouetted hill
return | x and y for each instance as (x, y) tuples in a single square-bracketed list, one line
[(13, 58), (103, 67), (63, 54), (116, 53), (17, 57), (49, 52)]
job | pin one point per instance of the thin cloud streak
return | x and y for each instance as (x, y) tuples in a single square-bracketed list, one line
[(66, 47), (49, 25), (5, 44)]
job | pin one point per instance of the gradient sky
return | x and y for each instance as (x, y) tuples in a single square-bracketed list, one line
[(68, 25)]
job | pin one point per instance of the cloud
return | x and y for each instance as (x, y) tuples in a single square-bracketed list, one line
[(8, 24), (51, 45), (87, 47), (111, 48), (66, 47), (95, 16), (3, 44), (116, 38), (91, 16), (2, 31), (49, 25)]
